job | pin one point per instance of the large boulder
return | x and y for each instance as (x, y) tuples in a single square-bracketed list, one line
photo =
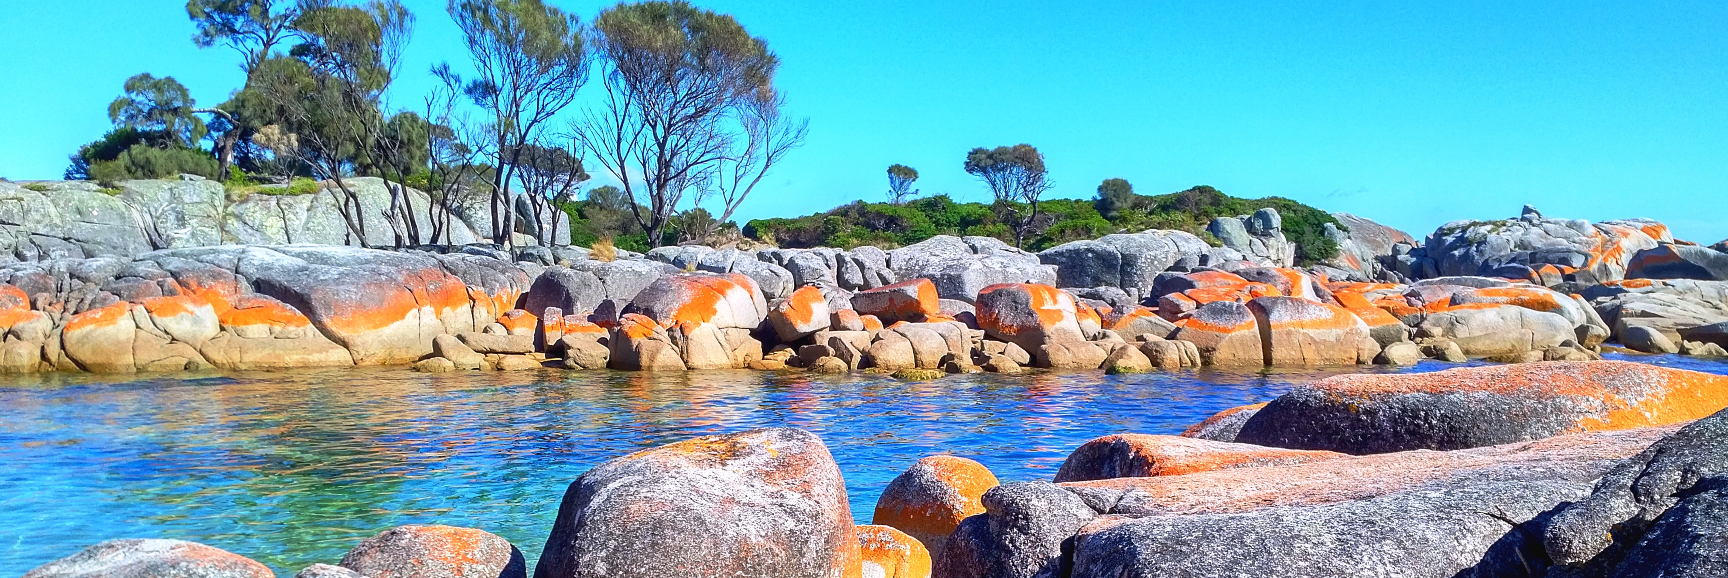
[(890, 553), (774, 281), (911, 300), (622, 279), (1140, 455), (1418, 514), (802, 313), (1666, 306), (1481, 406), (1226, 332), (1488, 329), (1028, 315), (1258, 237), (1364, 247), (1592, 253), (1298, 332), (1679, 262), (961, 267), (435, 552), (567, 289), (1126, 261), (151, 559), (1659, 513), (1406, 514), (767, 503), (932, 497)]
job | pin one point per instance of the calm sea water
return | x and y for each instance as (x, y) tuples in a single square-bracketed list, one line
[(297, 467)]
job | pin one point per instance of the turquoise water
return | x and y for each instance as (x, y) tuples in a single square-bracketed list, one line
[(295, 468)]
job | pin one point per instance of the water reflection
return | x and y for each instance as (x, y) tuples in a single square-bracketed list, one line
[(294, 468)]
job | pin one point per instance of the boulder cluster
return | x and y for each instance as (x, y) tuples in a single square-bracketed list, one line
[(1557, 469), (1527, 289)]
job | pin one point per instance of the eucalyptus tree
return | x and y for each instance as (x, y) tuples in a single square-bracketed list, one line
[(530, 60), (550, 178), (329, 93), (900, 179), (454, 149), (1017, 178), (253, 28), (690, 108)]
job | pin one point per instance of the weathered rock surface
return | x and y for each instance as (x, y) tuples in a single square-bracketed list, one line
[(1140, 455), (932, 497), (1481, 406), (1657, 514), (1129, 261), (765, 503), (960, 267), (1679, 262), (890, 553), (151, 559), (435, 552), (1029, 315)]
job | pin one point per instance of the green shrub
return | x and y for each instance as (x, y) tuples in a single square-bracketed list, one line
[(38, 187), (889, 226), (143, 162)]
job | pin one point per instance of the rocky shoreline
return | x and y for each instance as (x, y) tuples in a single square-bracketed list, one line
[(1525, 289), (1558, 469)]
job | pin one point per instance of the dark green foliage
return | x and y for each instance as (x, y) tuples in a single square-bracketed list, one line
[(900, 179), (1114, 195), (160, 107), (147, 162), (887, 225), (106, 148)]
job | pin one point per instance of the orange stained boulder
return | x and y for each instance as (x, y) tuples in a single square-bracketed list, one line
[(929, 499), (910, 300), (215, 286), (262, 310), (1029, 314), (1352, 478), (13, 299), (1140, 455), (100, 340), (1367, 312), (1298, 331), (695, 299), (1197, 429), (1225, 332), (519, 322), (1481, 406), (1623, 394), (580, 324), (803, 312), (890, 553), (1086, 314), (1204, 279), (1528, 297), (427, 551), (871, 322)]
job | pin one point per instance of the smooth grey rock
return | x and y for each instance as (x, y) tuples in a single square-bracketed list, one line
[(1647, 340), (570, 290), (1679, 262), (1022, 534)]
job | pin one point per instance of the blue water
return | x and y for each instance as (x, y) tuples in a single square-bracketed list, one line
[(297, 467)]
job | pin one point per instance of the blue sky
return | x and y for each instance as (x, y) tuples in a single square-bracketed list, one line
[(1410, 113)]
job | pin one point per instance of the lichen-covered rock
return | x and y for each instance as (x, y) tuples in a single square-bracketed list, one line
[(802, 313), (765, 503), (1224, 425), (327, 571), (1679, 262), (1657, 514), (890, 553), (960, 267), (100, 340), (1595, 253), (565, 288), (151, 559), (1488, 330), (929, 499), (435, 552), (911, 300), (1297, 332), (1028, 315), (1428, 514), (640, 344), (1481, 406), (1226, 333), (434, 365), (1025, 531), (1140, 455), (1129, 261)]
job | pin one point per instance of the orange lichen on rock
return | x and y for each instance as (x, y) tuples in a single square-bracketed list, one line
[(1196, 429), (871, 322), (1527, 297), (1625, 394), (636, 326), (909, 300), (580, 324), (1367, 312), (517, 321), (930, 499), (1085, 313), (100, 317), (1140, 455), (261, 310), (13, 299), (172, 305), (890, 553)]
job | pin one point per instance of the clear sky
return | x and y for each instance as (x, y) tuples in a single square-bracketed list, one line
[(1410, 113)]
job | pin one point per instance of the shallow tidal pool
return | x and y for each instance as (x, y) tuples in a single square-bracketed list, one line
[(294, 468)]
